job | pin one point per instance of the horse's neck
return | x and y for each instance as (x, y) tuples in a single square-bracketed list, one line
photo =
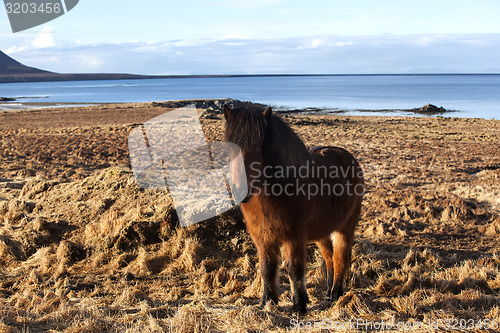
[(291, 156), (282, 147)]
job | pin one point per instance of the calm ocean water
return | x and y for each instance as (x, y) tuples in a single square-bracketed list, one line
[(470, 95)]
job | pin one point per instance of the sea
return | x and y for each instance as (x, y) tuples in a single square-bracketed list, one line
[(467, 95)]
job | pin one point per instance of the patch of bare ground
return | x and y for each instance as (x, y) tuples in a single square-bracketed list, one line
[(83, 249)]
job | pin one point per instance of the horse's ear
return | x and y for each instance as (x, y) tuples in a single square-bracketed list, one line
[(267, 114), (227, 112)]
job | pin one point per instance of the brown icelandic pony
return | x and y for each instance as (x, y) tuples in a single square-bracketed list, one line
[(288, 210)]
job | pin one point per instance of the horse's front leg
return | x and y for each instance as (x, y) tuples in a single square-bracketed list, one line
[(296, 257), (269, 258)]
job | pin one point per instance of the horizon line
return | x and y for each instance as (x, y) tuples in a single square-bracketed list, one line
[(311, 74)]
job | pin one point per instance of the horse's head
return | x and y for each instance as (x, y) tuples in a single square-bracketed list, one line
[(266, 142), (246, 127)]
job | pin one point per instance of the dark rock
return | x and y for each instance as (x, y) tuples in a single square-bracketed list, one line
[(430, 109), (7, 99)]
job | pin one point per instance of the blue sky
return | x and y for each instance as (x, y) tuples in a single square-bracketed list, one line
[(273, 36)]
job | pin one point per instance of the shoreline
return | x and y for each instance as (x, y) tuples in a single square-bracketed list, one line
[(14, 105)]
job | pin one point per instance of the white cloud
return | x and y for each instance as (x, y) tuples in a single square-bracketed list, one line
[(316, 42), (342, 44), (324, 42), (321, 54), (44, 38), (16, 49), (424, 41)]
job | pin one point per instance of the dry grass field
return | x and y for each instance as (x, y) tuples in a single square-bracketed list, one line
[(83, 249)]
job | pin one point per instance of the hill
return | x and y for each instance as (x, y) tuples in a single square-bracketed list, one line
[(12, 70), (11, 66)]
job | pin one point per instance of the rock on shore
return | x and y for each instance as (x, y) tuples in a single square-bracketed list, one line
[(430, 109)]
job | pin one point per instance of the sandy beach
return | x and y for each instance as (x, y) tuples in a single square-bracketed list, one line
[(83, 249)]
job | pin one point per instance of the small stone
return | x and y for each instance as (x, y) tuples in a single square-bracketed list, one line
[(235, 241)]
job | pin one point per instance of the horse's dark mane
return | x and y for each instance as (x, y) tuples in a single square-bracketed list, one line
[(248, 128), (282, 146)]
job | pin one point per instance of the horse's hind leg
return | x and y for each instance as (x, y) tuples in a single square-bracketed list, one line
[(296, 257), (342, 242), (326, 247), (341, 260)]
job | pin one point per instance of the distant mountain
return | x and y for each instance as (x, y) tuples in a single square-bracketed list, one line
[(13, 71), (11, 66)]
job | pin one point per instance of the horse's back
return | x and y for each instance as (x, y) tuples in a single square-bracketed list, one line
[(339, 158)]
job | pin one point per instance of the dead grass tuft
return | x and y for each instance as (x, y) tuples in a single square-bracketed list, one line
[(192, 318)]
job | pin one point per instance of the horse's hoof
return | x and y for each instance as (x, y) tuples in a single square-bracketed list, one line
[(336, 293), (333, 299), (300, 309)]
